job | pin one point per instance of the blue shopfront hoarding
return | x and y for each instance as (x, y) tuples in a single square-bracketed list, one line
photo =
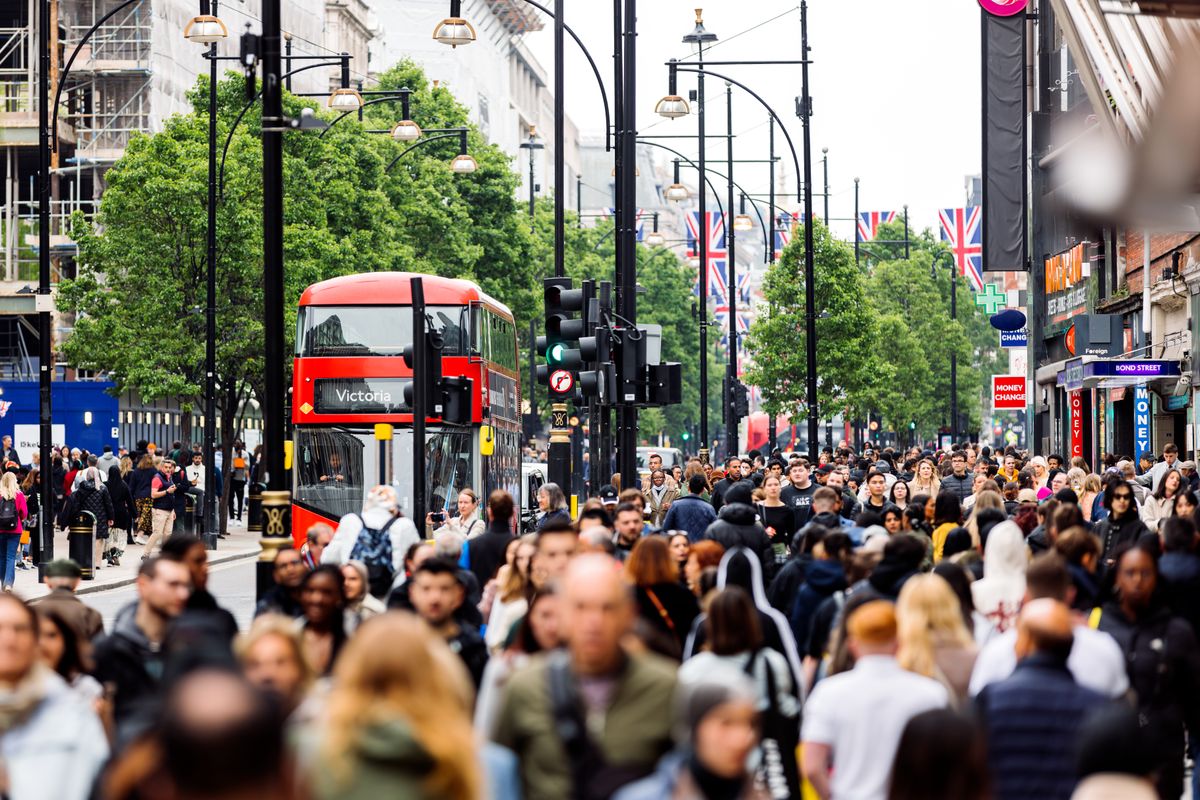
[(84, 415)]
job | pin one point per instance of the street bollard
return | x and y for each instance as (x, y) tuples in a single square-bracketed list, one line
[(189, 514), (254, 510), (81, 538)]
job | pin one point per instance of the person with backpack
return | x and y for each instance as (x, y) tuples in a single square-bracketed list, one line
[(12, 511), (379, 537)]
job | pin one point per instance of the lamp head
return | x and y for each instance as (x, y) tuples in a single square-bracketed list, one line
[(672, 106), (345, 100), (463, 164), (654, 239), (699, 36), (205, 29), (743, 223), (406, 131), (454, 31), (677, 193)]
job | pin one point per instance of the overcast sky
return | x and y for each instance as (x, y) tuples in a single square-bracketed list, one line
[(895, 90)]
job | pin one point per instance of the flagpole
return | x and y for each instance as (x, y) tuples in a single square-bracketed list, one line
[(731, 416)]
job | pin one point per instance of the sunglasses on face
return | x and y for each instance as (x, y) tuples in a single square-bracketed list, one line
[(1122, 497)]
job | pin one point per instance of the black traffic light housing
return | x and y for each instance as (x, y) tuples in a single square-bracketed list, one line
[(560, 345), (434, 400)]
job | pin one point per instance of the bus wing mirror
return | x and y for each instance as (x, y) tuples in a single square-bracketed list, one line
[(487, 440)]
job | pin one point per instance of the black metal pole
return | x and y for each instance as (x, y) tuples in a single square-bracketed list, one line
[(906, 232), (627, 236), (702, 236), (825, 168), (287, 59), (276, 501), (560, 164), (210, 310), (954, 353), (810, 282), (731, 418), (856, 218), (533, 412), (772, 428), (579, 213), (419, 410), (532, 196), (42, 549)]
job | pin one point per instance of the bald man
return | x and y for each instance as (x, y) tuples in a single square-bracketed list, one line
[(1032, 719), (620, 702)]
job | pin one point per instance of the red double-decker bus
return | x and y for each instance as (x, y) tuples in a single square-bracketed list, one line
[(349, 377)]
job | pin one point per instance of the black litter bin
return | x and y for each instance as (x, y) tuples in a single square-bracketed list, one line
[(81, 538)]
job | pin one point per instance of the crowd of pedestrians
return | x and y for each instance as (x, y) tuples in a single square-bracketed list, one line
[(953, 625)]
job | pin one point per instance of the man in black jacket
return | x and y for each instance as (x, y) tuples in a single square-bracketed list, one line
[(436, 594), (131, 657), (189, 549), (485, 553), (959, 480), (733, 474), (737, 526)]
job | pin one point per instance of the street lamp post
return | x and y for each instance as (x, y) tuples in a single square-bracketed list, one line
[(856, 218), (810, 281), (825, 169), (43, 543), (210, 34), (731, 419), (953, 350), (698, 38), (627, 235), (532, 145)]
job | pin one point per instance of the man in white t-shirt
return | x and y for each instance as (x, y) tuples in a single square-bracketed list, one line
[(1096, 660), (853, 720)]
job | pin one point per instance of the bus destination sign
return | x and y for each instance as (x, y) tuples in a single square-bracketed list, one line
[(361, 395)]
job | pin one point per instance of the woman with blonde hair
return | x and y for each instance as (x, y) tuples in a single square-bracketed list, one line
[(933, 638), (926, 481), (12, 511), (984, 500), (272, 658), (1087, 498), (398, 722), (511, 594)]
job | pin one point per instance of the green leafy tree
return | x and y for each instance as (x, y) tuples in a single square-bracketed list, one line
[(848, 367)]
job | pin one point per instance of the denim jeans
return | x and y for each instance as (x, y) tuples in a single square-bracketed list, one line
[(8, 557)]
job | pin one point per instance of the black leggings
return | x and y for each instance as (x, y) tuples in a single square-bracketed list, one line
[(237, 487)]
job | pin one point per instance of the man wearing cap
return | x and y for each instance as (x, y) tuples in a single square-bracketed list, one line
[(1190, 478), (63, 576), (853, 720), (1170, 461)]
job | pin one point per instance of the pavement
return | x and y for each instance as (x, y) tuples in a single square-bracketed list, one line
[(239, 545)]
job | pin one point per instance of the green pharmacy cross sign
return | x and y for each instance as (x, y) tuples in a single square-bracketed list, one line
[(991, 299)]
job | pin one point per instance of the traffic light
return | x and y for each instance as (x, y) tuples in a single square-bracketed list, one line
[(741, 400), (630, 356), (434, 402), (456, 394), (560, 345), (664, 384)]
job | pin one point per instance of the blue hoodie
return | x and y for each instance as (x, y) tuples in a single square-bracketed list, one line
[(821, 579)]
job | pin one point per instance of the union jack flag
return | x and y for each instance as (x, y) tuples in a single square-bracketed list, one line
[(743, 282), (641, 225), (717, 254), (869, 222), (962, 229), (721, 314), (785, 224)]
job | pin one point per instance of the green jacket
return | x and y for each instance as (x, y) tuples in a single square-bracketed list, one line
[(387, 762), (636, 727)]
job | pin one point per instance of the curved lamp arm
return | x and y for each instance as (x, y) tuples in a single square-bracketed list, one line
[(595, 71), (62, 78), (756, 96), (242, 113), (461, 135), (372, 102)]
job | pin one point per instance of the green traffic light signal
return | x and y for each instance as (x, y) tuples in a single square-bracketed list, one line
[(555, 353), (686, 436)]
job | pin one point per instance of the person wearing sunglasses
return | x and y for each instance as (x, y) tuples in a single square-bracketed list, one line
[(1123, 523)]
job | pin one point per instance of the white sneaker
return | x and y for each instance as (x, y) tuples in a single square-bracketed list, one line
[(140, 540)]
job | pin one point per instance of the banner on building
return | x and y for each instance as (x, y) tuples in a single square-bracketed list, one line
[(1141, 421), (1004, 156), (1076, 400)]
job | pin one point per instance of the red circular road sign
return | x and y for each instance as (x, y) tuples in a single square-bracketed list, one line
[(1004, 8), (561, 381)]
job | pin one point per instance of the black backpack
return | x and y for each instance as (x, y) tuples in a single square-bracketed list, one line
[(374, 548), (8, 514)]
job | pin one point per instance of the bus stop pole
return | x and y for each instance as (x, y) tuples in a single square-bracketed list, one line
[(419, 395)]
